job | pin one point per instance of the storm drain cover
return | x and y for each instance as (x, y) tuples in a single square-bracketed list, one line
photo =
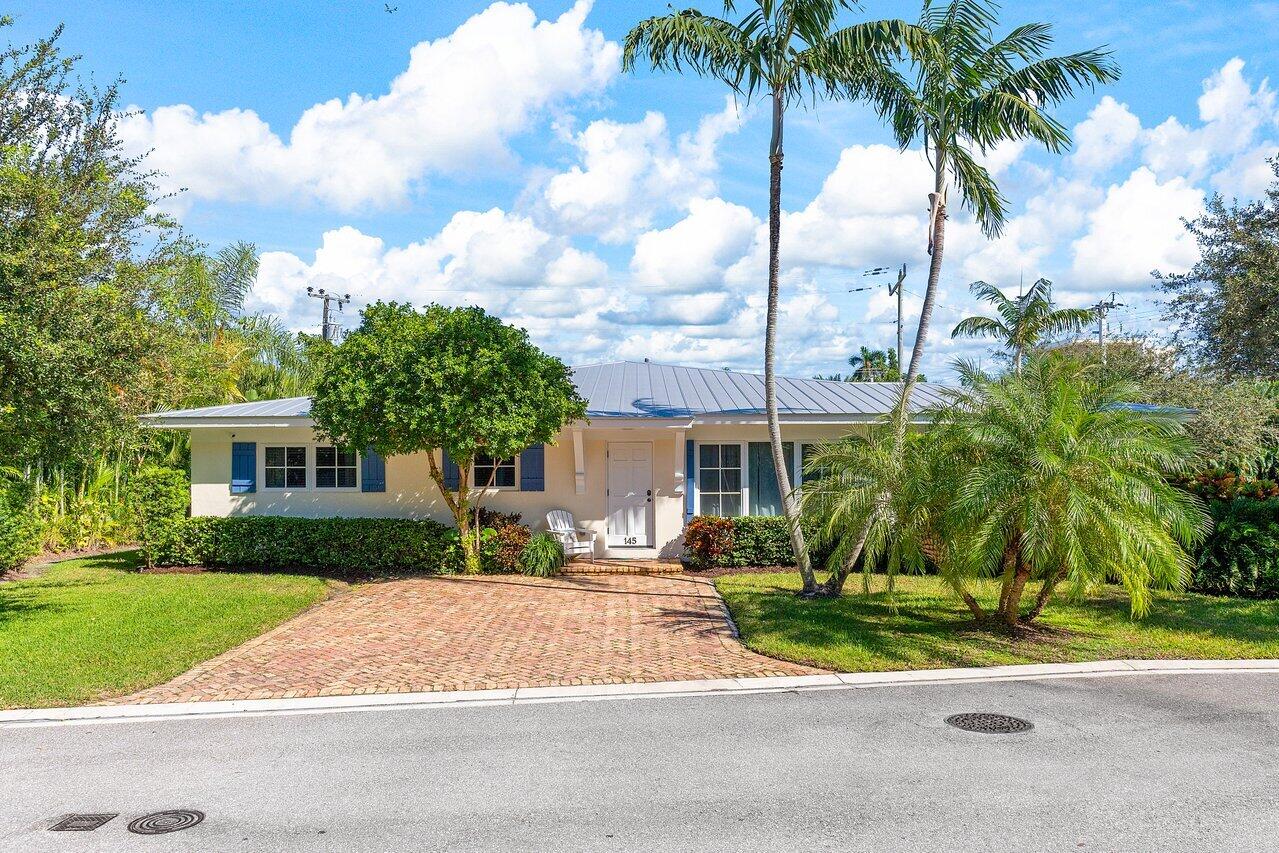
[(162, 822), (81, 822), (989, 724)]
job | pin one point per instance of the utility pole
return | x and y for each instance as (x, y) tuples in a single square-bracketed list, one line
[(329, 329), (897, 289), (1103, 307), (893, 290)]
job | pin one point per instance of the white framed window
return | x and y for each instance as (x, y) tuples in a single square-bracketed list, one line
[(285, 467), (719, 479), (335, 468), (487, 472)]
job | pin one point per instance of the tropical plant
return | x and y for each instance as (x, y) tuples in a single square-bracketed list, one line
[(788, 50), (966, 93), (1036, 477), (19, 527), (543, 556), (1024, 321), (455, 381), (874, 365)]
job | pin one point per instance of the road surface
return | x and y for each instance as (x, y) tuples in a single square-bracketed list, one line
[(1145, 762)]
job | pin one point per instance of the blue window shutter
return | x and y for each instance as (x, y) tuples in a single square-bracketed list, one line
[(372, 472), (452, 475), (690, 476), (533, 469), (244, 467)]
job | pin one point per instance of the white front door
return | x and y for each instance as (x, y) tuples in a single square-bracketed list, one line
[(630, 494)]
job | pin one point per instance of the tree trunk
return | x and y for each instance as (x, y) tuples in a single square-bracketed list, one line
[(834, 585), (790, 506), (1013, 604), (1045, 592), (459, 506), (901, 416), (976, 609)]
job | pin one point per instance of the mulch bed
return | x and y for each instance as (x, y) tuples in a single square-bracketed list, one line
[(740, 570)]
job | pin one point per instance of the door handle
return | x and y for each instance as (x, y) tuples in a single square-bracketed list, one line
[(649, 493)]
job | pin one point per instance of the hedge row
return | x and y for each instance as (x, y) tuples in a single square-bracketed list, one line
[(1241, 554), (747, 540), (19, 526), (357, 546)]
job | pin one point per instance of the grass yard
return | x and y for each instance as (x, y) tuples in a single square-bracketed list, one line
[(94, 628), (930, 629)]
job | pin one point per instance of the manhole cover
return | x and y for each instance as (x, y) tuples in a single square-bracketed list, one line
[(82, 822), (162, 822), (989, 724)]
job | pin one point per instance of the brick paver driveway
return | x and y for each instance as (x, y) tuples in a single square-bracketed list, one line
[(426, 634)]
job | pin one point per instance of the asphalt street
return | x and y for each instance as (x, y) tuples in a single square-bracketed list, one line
[(1148, 762)]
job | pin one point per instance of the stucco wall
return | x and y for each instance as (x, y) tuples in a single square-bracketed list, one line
[(410, 492)]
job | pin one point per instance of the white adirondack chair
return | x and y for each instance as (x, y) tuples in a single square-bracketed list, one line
[(562, 525)]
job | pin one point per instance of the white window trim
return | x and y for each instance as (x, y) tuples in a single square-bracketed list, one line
[(313, 458), (488, 488), (310, 471), (797, 475), (697, 481)]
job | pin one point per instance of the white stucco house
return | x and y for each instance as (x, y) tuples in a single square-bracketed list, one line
[(662, 443)]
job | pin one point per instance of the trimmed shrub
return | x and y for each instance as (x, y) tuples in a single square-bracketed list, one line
[(543, 556), (1241, 556), (19, 526), (500, 551), (158, 497), (708, 541), (745, 540), (350, 546)]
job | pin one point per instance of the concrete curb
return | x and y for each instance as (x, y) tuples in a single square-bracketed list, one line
[(653, 690)]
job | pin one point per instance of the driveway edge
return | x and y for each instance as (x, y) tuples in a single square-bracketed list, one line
[(24, 717)]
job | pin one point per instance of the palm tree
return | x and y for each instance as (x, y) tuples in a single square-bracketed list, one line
[(874, 365), (970, 92), (1042, 476), (1023, 321), (789, 50)]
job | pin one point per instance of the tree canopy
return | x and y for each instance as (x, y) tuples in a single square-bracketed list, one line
[(1024, 321), (455, 380), (1227, 306)]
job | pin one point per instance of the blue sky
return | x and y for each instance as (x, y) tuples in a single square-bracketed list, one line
[(494, 153)]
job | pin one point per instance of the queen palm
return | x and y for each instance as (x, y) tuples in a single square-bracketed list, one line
[(965, 93), (1023, 321), (1037, 478), (788, 50)]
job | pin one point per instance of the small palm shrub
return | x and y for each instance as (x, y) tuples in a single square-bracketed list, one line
[(543, 556), (1040, 479)]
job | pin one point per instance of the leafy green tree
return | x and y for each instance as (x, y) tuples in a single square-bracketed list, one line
[(1233, 422), (1041, 478), (1024, 321), (1227, 306), (79, 247), (455, 380), (966, 93), (788, 50)]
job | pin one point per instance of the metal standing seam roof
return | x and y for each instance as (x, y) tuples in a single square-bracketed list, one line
[(642, 389)]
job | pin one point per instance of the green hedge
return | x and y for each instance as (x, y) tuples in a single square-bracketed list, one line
[(159, 497), (1241, 555), (355, 546), (19, 526), (741, 541)]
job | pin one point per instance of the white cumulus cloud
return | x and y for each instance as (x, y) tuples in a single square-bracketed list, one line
[(454, 107)]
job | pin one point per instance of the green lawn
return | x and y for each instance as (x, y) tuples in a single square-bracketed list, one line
[(931, 630), (94, 628)]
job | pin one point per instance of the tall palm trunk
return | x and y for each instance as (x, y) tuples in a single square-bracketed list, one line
[(790, 506), (834, 584)]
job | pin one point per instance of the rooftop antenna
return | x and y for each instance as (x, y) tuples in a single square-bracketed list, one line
[(330, 330)]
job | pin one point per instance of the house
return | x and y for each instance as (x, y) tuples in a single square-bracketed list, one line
[(662, 443)]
